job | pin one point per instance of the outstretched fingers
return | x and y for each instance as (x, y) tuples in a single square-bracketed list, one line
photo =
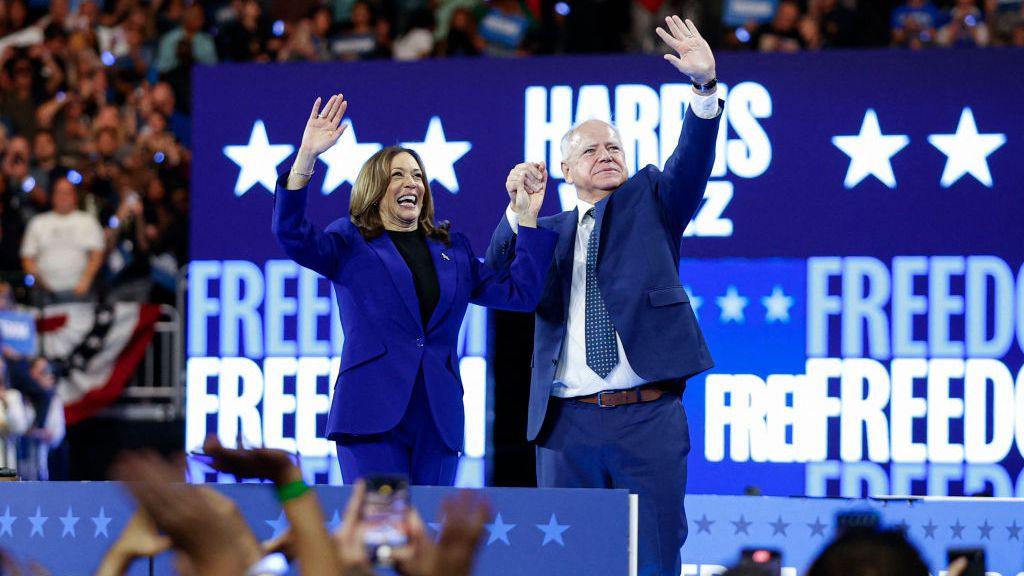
[(339, 109), (677, 27), (693, 29)]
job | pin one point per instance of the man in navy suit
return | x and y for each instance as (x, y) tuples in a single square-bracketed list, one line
[(615, 337)]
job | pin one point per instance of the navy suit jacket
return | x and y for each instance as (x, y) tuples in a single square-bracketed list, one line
[(386, 344), (640, 224)]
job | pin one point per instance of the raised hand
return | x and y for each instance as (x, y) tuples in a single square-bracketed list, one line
[(348, 538), (695, 58), (201, 523), (323, 128), (252, 463), (465, 515), (140, 537)]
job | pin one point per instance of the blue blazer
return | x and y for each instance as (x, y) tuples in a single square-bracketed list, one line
[(386, 344), (640, 225)]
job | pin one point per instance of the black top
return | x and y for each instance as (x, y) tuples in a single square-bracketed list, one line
[(413, 248)]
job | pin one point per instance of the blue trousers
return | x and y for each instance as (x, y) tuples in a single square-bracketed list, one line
[(414, 448), (640, 447)]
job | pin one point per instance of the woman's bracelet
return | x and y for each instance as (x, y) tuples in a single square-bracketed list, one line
[(291, 490)]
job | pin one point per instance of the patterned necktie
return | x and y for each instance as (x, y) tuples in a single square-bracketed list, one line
[(602, 353)]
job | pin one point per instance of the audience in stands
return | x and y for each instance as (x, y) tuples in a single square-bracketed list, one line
[(915, 24)]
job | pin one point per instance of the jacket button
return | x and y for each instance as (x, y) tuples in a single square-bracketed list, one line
[(419, 342)]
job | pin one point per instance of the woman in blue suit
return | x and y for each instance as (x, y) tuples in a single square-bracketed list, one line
[(402, 283)]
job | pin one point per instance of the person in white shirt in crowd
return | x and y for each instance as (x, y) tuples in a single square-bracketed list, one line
[(63, 249)]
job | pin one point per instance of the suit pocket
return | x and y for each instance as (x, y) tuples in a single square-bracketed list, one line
[(667, 296), (359, 352)]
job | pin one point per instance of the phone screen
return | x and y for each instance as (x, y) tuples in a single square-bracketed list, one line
[(384, 510), (975, 560), (766, 561)]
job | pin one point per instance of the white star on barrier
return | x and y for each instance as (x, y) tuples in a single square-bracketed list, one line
[(37, 523), (69, 522), (279, 525), (345, 158), (440, 155), (499, 530), (101, 522), (732, 305), (967, 151), (6, 522), (870, 152), (552, 531), (257, 160), (777, 305)]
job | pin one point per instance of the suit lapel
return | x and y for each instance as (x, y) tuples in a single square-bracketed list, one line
[(447, 279), (399, 273), (564, 254)]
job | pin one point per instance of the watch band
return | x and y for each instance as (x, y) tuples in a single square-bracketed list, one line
[(707, 86)]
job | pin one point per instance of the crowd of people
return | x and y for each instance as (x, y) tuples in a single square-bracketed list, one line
[(914, 24)]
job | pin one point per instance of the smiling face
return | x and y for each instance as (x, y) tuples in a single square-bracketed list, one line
[(594, 161), (403, 200)]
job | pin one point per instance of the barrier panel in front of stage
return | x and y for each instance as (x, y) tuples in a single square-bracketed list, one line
[(68, 526), (537, 532)]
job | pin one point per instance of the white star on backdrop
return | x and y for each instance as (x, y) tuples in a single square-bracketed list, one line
[(967, 151), (345, 158), (777, 305), (732, 305), (440, 155), (695, 301), (870, 152), (258, 160)]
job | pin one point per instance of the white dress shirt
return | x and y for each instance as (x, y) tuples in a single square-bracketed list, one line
[(573, 377)]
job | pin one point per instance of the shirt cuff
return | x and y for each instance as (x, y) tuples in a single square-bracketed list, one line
[(513, 219), (705, 107)]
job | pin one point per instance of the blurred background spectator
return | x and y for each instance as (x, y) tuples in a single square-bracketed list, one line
[(915, 23)]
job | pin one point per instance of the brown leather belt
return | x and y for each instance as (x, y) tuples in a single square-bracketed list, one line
[(613, 398)]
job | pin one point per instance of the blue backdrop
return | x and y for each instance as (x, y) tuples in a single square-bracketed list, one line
[(856, 264)]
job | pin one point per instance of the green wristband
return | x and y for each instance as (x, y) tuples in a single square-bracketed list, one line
[(291, 490)]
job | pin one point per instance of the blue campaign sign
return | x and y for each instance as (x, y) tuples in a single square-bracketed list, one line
[(855, 265), (18, 331)]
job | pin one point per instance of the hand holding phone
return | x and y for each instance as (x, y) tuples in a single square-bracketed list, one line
[(384, 515), (975, 560), (764, 561)]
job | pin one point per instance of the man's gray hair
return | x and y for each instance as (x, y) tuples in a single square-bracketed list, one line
[(567, 138)]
